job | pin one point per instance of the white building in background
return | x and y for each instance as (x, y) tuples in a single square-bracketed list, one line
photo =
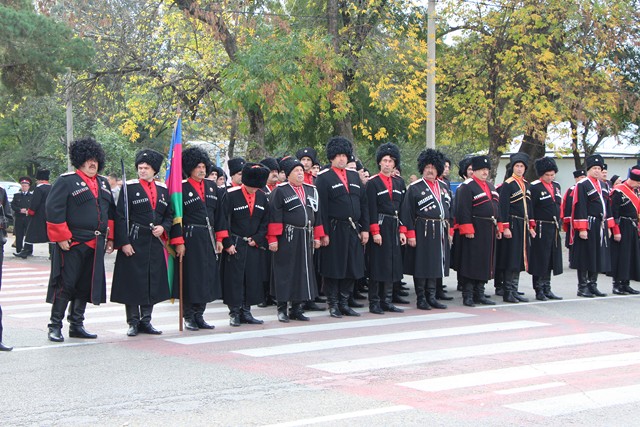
[(618, 154)]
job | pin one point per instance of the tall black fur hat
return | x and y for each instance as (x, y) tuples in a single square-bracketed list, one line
[(519, 157), (85, 149), (480, 162), (150, 157), (255, 175), (431, 157), (338, 145), (463, 165), (288, 164), (388, 149), (594, 160), (544, 165), (43, 175), (271, 163), (578, 173), (235, 165), (309, 152), (192, 157), (211, 167)]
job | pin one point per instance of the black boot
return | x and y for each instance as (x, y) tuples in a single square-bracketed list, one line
[(282, 312), (145, 326), (498, 282), (133, 319), (546, 288), (198, 316), (431, 295), (509, 291), (583, 285), (440, 292), (331, 292), (312, 306), (247, 317), (352, 301), (188, 315), (374, 298), (478, 294), (343, 304), (515, 282), (467, 293), (76, 320), (628, 289), (296, 312), (538, 286), (593, 284), (234, 316), (386, 303), (4, 347), (617, 288), (421, 297), (58, 308)]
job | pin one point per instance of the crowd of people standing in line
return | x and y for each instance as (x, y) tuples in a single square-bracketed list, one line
[(286, 232)]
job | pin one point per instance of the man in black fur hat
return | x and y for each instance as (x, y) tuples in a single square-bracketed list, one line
[(246, 212), (567, 206), (384, 195), (515, 206), (80, 217), (203, 229), (20, 205), (295, 230), (426, 213), (307, 157), (143, 225), (591, 220), (345, 219), (477, 210), (274, 170), (37, 231), (545, 255), (235, 170)]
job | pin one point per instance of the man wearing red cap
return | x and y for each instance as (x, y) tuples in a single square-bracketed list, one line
[(20, 205)]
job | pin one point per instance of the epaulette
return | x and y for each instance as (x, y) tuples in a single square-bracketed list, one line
[(323, 171), (416, 182), (583, 180), (537, 181), (468, 180), (309, 185), (230, 189), (371, 177), (161, 184), (509, 180), (282, 183), (68, 173), (132, 181)]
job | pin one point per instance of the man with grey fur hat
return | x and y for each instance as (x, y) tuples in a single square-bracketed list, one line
[(80, 218), (143, 224), (345, 219)]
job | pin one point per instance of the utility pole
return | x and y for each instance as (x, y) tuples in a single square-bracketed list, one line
[(69, 97), (431, 74)]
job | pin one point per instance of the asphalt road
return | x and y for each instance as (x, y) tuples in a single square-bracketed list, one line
[(570, 362)]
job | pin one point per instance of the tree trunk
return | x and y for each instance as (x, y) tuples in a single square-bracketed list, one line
[(533, 144), (577, 161), (256, 149), (233, 133)]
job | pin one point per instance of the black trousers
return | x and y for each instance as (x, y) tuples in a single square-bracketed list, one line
[(20, 229)]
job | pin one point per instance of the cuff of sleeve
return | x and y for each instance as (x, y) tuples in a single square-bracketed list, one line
[(318, 232), (611, 222), (402, 229), (580, 224), (58, 232), (112, 228), (411, 234), (177, 241), (31, 213), (271, 239), (221, 235), (504, 225), (374, 229), (616, 229), (466, 229), (532, 224), (275, 229), (452, 232)]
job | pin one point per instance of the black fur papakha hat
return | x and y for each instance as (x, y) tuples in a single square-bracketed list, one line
[(43, 175), (594, 160), (388, 149), (235, 165), (255, 175), (544, 165), (271, 163), (150, 157), (463, 165), (85, 149), (519, 157), (192, 157), (309, 152), (288, 164), (480, 162), (338, 145), (431, 157)]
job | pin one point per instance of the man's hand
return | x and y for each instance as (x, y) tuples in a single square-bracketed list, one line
[(403, 239), (377, 239), (128, 250), (231, 250), (157, 231), (109, 248), (180, 250), (219, 247), (470, 236), (316, 244), (273, 247), (411, 241), (533, 233), (507, 233), (617, 237), (584, 234), (65, 245), (364, 237), (324, 240)]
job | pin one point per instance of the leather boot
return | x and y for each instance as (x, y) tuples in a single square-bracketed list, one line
[(617, 288), (374, 298), (4, 347), (593, 284), (358, 295), (386, 303), (498, 282), (133, 319), (58, 308), (508, 289), (247, 317), (312, 306), (539, 288), (331, 292), (76, 320), (479, 296), (351, 301), (440, 291), (282, 312), (198, 316), (467, 293), (431, 295), (515, 282), (296, 312), (583, 285), (421, 297), (628, 289), (343, 304), (234, 316), (145, 326), (546, 288)]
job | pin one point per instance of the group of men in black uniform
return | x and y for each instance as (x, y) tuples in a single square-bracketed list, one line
[(257, 239)]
